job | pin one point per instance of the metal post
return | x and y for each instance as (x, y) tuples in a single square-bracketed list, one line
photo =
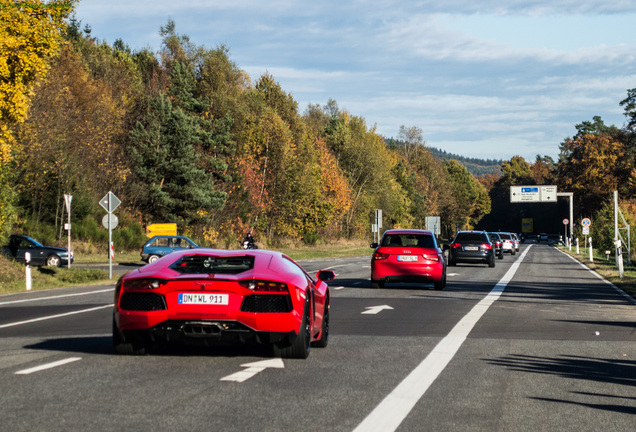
[(110, 242), (591, 255)]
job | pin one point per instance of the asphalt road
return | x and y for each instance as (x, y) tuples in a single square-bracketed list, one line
[(538, 343)]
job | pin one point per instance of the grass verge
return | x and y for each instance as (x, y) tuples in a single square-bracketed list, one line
[(13, 277), (608, 269)]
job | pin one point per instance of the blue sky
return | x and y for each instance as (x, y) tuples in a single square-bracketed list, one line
[(487, 79)]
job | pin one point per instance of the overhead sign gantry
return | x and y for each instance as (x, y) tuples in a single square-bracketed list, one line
[(533, 194)]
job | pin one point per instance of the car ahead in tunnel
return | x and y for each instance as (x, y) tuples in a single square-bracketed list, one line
[(497, 244), (209, 297), (508, 243), (408, 255), (471, 247), (41, 255)]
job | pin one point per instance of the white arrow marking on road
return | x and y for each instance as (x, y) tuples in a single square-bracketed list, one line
[(374, 310), (253, 369)]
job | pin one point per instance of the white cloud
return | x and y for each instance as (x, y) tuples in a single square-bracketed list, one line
[(492, 78)]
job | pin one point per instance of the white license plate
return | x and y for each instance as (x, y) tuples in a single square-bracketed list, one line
[(407, 258), (204, 299), (471, 248)]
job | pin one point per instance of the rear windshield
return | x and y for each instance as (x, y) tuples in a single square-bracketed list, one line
[(197, 264), (505, 236), (471, 237), (409, 240)]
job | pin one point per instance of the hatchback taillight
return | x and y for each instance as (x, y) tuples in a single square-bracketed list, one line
[(380, 256), (431, 257), (456, 245), (486, 246)]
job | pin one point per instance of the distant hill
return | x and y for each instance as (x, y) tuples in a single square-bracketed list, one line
[(473, 165)]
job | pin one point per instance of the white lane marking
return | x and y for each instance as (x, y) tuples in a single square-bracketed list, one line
[(55, 297), (374, 310), (336, 266), (253, 369), (54, 316), (48, 366), (390, 413), (338, 288), (620, 291), (452, 274)]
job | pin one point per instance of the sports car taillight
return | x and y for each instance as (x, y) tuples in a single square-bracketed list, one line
[(143, 284), (264, 286), (380, 256)]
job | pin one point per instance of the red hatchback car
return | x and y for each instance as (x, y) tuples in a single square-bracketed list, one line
[(210, 296), (408, 255)]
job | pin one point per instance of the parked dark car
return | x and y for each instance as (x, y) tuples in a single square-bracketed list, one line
[(162, 245), (41, 255), (497, 243), (471, 247)]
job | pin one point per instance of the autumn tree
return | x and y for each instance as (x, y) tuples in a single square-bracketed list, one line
[(367, 164), (71, 141), (543, 171), (592, 166), (30, 34)]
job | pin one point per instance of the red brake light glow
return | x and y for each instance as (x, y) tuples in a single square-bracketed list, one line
[(380, 256), (486, 246)]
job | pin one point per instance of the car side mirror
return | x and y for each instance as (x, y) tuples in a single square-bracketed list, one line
[(326, 275), (373, 245)]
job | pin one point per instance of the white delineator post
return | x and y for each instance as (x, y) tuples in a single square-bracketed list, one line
[(27, 260)]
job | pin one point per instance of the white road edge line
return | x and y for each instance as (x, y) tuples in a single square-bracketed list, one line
[(55, 297), (390, 413), (48, 366), (54, 316)]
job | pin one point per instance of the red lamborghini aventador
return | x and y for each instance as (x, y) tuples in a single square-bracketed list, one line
[(218, 296)]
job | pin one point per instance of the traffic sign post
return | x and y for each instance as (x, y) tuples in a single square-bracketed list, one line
[(585, 228), (110, 202)]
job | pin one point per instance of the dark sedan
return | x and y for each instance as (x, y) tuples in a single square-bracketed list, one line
[(19, 245), (472, 247)]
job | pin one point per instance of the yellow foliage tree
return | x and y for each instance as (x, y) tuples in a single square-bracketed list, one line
[(30, 34)]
